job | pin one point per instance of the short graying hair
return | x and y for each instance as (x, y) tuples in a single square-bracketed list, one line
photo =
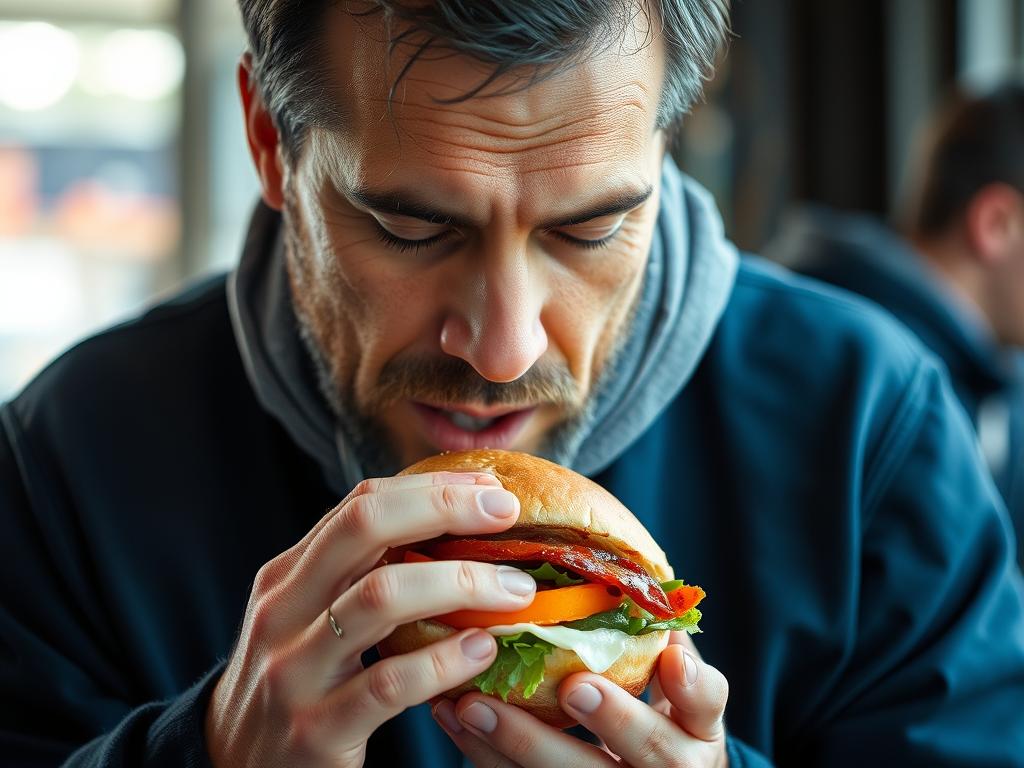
[(541, 37)]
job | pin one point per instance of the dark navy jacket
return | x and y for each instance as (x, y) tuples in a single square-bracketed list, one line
[(816, 477), (861, 254)]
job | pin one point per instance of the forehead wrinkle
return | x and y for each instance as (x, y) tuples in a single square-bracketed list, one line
[(499, 123), (442, 147), (511, 167), (604, 122), (610, 127), (498, 109)]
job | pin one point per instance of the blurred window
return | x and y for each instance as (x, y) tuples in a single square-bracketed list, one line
[(89, 216)]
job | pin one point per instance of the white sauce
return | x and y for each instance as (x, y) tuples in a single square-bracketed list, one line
[(598, 649)]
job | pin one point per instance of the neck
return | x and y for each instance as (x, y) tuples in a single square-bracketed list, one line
[(967, 281)]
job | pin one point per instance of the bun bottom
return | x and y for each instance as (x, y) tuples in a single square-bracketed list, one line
[(632, 671)]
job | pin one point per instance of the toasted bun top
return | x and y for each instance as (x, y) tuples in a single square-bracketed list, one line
[(559, 502)]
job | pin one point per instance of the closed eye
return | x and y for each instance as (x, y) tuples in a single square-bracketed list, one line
[(591, 234), (404, 244)]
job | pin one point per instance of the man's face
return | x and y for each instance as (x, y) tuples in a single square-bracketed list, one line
[(464, 272)]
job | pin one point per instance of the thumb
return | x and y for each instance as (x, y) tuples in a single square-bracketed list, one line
[(697, 692), (657, 696)]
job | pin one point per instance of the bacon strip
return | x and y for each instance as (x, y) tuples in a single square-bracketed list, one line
[(593, 564)]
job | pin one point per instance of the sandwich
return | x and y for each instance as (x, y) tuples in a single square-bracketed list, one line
[(606, 596)]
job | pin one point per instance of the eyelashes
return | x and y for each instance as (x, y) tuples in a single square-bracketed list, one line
[(403, 245), (586, 244)]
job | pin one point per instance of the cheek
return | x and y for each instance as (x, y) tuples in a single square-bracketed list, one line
[(389, 312), (363, 309), (591, 303)]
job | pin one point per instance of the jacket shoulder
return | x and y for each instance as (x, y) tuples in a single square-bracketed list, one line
[(174, 357), (814, 371), (802, 323)]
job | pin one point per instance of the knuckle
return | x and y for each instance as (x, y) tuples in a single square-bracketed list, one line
[(440, 665), (623, 720), (267, 578), (377, 590), (652, 750), (261, 616), (386, 685), (300, 737), (522, 741), (447, 499), (360, 517), (365, 487), (273, 676), (467, 577)]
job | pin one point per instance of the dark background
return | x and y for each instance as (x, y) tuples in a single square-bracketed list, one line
[(819, 100)]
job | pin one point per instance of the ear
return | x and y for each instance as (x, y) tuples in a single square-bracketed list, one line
[(995, 222), (264, 140)]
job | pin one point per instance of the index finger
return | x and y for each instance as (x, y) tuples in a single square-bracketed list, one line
[(632, 729), (355, 538), (398, 483), (519, 736)]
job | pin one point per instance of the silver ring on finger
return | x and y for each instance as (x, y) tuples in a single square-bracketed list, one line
[(334, 624)]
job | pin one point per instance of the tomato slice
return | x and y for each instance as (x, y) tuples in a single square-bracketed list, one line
[(595, 565), (416, 557), (684, 598), (550, 606)]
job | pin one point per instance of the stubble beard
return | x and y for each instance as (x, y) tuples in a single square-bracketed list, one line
[(439, 380)]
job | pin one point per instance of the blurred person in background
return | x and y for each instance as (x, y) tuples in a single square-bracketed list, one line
[(471, 234), (952, 269)]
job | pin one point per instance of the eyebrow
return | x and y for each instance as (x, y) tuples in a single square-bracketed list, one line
[(401, 203)]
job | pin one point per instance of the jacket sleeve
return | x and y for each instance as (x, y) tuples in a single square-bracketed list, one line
[(62, 699), (935, 672)]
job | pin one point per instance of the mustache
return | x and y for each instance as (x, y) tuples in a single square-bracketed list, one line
[(449, 380)]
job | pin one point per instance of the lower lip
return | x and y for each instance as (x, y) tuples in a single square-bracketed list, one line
[(447, 437)]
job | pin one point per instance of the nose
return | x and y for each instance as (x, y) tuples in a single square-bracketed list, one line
[(497, 328)]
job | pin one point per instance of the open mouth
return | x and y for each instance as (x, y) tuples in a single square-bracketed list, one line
[(470, 423), (459, 429)]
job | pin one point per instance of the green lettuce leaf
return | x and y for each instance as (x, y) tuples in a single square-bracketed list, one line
[(617, 618), (624, 619), (520, 662), (548, 572), (687, 622)]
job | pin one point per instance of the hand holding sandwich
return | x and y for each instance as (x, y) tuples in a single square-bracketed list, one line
[(683, 724), (489, 571), (294, 691)]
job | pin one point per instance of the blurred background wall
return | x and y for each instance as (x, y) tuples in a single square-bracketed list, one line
[(123, 169)]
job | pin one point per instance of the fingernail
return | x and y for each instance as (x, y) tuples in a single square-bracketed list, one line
[(477, 646), (497, 503), (470, 478), (585, 698), (515, 581), (444, 713), (689, 669), (480, 716)]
